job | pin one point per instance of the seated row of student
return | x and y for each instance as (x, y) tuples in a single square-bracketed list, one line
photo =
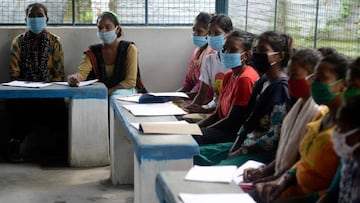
[(212, 70), (345, 186), (268, 105), (300, 71), (191, 84), (237, 85), (311, 175), (35, 55), (114, 62)]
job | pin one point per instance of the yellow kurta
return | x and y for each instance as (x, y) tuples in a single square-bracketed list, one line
[(318, 161), (129, 82)]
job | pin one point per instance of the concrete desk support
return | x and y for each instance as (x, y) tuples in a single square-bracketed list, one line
[(170, 183), (137, 158), (88, 119)]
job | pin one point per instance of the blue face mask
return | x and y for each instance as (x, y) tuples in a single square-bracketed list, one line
[(107, 37), (36, 25), (230, 60), (216, 42), (199, 41)]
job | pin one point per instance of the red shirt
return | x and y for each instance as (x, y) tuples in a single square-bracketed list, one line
[(236, 91)]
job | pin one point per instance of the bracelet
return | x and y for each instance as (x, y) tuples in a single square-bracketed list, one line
[(292, 171)]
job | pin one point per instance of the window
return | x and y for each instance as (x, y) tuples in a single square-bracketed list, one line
[(131, 12)]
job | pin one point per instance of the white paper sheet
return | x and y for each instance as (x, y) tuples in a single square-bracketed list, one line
[(83, 83), (170, 94), (239, 173), (222, 174), (158, 109), (16, 83), (216, 198), (137, 125), (129, 98)]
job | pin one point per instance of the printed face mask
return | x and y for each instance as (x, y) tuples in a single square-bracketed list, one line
[(107, 37), (261, 61), (350, 92), (321, 92), (341, 148), (230, 60), (36, 25), (216, 42), (199, 41)]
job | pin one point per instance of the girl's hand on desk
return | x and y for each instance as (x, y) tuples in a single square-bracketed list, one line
[(73, 80)]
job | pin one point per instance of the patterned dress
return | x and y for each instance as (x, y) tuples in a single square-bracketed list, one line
[(41, 60)]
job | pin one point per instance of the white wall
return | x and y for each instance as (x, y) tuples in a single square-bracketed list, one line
[(163, 51)]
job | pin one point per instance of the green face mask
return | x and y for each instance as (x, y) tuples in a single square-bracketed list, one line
[(350, 92), (321, 93)]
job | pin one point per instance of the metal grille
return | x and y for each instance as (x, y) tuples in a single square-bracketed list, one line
[(312, 23), (131, 12)]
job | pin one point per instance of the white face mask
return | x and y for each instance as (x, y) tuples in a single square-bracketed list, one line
[(107, 37), (341, 148)]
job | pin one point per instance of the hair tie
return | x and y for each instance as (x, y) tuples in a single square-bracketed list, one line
[(113, 14)]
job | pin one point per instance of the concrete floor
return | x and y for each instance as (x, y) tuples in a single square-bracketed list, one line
[(32, 182)]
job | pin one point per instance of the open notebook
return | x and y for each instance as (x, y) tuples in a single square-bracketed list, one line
[(222, 174)]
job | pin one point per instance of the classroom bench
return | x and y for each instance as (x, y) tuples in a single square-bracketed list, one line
[(88, 119), (170, 183), (138, 158)]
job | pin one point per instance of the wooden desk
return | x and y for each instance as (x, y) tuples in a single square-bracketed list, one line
[(137, 158), (170, 183), (88, 119)]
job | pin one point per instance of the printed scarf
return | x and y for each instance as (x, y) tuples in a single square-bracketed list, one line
[(33, 63)]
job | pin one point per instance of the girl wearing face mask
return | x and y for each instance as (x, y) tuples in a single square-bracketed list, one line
[(345, 142), (347, 145), (212, 70), (312, 174), (268, 104), (114, 62), (231, 112), (37, 56), (305, 110), (192, 83)]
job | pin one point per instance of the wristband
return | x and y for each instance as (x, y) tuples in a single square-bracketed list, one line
[(292, 171)]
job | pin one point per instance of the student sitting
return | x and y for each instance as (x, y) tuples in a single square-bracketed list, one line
[(312, 174), (212, 70), (346, 146), (37, 56), (238, 82), (192, 83), (293, 129), (268, 105), (114, 62)]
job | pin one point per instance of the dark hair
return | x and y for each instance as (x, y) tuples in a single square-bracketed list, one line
[(279, 42), (246, 39), (340, 61), (307, 58), (350, 112), (113, 18), (223, 21), (203, 18), (36, 5), (325, 51), (354, 68)]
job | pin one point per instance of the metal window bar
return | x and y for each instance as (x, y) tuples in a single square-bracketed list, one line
[(312, 23)]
